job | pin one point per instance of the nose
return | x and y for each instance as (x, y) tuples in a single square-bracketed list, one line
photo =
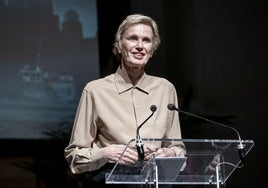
[(139, 44)]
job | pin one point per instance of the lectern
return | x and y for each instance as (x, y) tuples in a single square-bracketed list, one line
[(192, 169)]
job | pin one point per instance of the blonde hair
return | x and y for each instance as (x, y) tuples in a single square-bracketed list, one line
[(137, 19)]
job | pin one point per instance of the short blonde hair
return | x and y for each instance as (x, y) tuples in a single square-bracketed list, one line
[(137, 19)]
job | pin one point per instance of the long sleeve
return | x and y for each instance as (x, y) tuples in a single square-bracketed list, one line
[(81, 153), (175, 128)]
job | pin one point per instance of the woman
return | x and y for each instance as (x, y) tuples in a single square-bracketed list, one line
[(112, 108)]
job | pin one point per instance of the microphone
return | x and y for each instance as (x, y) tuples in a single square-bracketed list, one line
[(139, 143), (240, 146)]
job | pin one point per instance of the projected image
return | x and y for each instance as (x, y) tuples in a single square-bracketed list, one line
[(48, 52)]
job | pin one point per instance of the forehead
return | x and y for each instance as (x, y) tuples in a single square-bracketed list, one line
[(139, 29)]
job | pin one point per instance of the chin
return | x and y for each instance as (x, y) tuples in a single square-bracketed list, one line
[(140, 63), (134, 63)]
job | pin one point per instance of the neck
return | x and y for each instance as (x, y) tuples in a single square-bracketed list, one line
[(134, 73)]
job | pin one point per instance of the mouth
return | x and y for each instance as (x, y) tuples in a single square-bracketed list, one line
[(138, 55)]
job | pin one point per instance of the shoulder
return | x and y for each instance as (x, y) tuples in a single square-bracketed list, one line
[(100, 83), (160, 81)]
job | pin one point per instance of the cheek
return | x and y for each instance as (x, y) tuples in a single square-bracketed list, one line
[(124, 48), (149, 49)]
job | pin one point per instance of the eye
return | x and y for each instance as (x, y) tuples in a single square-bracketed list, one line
[(146, 39), (132, 38)]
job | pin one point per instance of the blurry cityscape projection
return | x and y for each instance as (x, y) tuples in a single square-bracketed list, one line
[(48, 52)]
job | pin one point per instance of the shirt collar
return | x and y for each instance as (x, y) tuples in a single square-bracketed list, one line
[(123, 83)]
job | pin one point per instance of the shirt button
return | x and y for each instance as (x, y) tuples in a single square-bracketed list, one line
[(138, 106)]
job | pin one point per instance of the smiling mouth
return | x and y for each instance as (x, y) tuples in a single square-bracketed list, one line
[(138, 55)]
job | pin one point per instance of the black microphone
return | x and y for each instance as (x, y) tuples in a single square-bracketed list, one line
[(139, 143), (240, 146)]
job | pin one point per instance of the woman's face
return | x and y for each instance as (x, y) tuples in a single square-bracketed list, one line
[(136, 45)]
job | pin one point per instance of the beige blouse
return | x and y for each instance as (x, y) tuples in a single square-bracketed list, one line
[(109, 112)]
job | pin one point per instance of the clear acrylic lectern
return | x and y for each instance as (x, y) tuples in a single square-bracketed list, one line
[(193, 168)]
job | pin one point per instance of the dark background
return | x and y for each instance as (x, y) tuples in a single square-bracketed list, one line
[(215, 53)]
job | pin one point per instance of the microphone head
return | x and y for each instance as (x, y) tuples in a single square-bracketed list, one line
[(153, 108), (171, 107)]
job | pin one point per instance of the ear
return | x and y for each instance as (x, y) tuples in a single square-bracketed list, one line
[(151, 53), (118, 47)]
